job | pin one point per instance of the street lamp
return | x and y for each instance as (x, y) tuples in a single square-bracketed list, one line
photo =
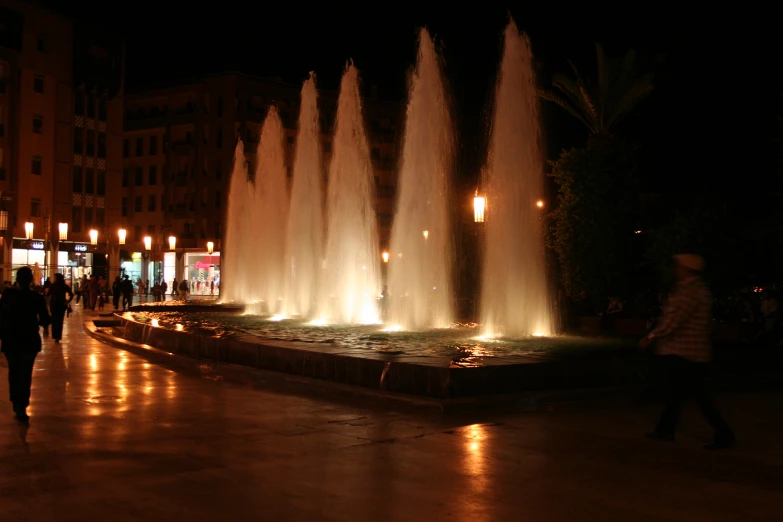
[(147, 243), (172, 243), (210, 247), (122, 234), (28, 229), (426, 234), (479, 204), (540, 203), (93, 237), (63, 231), (385, 257)]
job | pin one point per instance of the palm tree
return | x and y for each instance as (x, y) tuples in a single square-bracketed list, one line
[(601, 103)]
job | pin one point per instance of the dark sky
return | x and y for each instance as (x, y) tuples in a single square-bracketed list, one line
[(709, 124)]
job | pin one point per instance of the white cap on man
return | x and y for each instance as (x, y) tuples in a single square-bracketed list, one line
[(690, 261)]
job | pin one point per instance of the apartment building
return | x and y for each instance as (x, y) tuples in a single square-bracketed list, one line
[(61, 113)]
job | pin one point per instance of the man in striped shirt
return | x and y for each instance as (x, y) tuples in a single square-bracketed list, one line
[(683, 339)]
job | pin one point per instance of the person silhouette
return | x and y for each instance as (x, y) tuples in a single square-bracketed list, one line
[(22, 312)]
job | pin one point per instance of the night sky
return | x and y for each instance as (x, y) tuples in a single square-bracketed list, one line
[(709, 125)]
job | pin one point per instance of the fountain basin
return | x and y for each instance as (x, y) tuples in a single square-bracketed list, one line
[(446, 363)]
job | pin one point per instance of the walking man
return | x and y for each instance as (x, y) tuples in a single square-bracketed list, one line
[(683, 337), (22, 312), (61, 297)]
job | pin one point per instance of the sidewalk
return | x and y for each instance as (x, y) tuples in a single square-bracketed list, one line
[(115, 437)]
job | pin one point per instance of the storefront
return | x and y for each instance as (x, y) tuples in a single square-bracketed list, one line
[(74, 260), (133, 268), (202, 271)]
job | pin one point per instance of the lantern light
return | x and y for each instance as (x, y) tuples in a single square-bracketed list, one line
[(122, 234), (479, 204), (147, 243), (385, 257), (540, 203), (210, 247), (63, 231), (426, 234), (28, 229), (172, 243), (93, 237), (3, 220)]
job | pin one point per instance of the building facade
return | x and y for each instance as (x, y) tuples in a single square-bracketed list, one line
[(61, 111), (178, 156)]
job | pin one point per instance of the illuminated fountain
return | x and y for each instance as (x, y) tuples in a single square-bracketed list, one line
[(351, 274), (514, 295), (267, 239), (305, 223), (420, 268), (238, 250)]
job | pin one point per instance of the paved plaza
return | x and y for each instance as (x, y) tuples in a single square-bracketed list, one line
[(114, 436)]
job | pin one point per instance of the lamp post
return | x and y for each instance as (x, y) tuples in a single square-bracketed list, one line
[(155, 247)]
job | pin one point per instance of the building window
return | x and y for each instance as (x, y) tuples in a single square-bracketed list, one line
[(153, 145), (78, 103), (151, 204), (38, 83), (37, 124), (35, 207), (100, 216), (219, 140), (91, 105), (41, 44), (153, 175), (125, 148), (88, 217), (218, 229), (139, 176), (76, 219), (137, 204), (217, 199), (125, 176), (101, 183), (102, 108), (139, 146), (89, 181), (137, 232), (101, 144), (151, 229), (90, 151), (219, 171), (124, 207), (77, 179), (220, 107), (78, 141), (37, 165)]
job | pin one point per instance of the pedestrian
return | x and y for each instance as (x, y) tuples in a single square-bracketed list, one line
[(95, 288), (683, 341), (116, 292), (61, 297), (127, 293), (163, 289), (22, 312)]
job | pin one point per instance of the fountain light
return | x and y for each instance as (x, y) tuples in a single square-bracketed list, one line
[(318, 322), (277, 317), (172, 242), (385, 257), (122, 234), (155, 323), (93, 237), (147, 243), (63, 231), (179, 327), (540, 203), (210, 247), (538, 334), (392, 328), (479, 205), (426, 234), (28, 229)]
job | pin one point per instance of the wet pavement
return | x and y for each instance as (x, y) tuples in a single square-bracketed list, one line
[(116, 437)]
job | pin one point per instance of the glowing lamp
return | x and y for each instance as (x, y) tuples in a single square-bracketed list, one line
[(210, 247), (28, 229), (172, 243), (540, 203), (385, 257), (426, 234), (63, 231), (122, 234), (93, 237), (147, 243), (479, 204)]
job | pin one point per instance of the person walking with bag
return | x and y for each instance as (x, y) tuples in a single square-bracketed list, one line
[(22, 313), (61, 297)]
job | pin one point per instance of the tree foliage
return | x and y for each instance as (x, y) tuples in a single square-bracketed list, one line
[(592, 228), (619, 84)]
